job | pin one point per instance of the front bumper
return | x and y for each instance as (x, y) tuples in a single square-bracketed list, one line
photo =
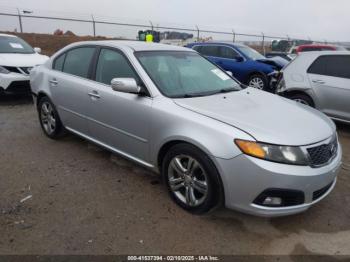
[(14, 83), (245, 178)]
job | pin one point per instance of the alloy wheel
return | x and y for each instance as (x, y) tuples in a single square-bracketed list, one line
[(48, 119), (257, 83), (188, 180)]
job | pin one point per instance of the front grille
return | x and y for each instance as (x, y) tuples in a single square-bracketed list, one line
[(317, 194), (323, 154)]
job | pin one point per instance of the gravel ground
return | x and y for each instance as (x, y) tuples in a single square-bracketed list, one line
[(83, 200)]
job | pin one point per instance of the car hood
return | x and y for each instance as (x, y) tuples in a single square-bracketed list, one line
[(266, 117), (277, 62), (22, 60)]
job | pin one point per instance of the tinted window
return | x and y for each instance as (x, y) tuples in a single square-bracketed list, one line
[(210, 50), (319, 66), (58, 64), (227, 52), (112, 64), (78, 61), (338, 66), (335, 65)]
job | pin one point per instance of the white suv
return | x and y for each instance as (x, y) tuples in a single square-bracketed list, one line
[(17, 58), (320, 80)]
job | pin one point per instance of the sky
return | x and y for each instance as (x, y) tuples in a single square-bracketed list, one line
[(316, 19)]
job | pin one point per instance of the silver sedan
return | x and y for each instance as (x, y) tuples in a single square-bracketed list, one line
[(214, 141)]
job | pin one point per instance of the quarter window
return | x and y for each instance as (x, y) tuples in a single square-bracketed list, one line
[(78, 61), (197, 48), (319, 66), (112, 64)]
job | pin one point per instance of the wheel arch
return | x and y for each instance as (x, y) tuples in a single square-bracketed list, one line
[(39, 96), (167, 145), (290, 93)]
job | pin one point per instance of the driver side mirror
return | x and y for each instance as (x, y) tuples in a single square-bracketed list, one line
[(125, 85), (37, 50), (239, 59)]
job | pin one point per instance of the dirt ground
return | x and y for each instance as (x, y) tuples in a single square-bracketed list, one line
[(86, 201)]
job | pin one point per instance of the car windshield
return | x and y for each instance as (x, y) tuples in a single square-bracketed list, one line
[(250, 52), (185, 74), (9, 44)]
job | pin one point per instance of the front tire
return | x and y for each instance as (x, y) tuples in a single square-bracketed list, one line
[(49, 119), (302, 99), (258, 81), (192, 179)]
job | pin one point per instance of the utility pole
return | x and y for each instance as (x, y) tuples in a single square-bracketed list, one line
[(197, 33), (93, 25), (20, 20)]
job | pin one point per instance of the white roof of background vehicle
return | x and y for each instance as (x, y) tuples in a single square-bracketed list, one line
[(8, 35), (135, 45)]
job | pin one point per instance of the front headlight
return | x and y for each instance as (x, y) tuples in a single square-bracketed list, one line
[(3, 70), (281, 154)]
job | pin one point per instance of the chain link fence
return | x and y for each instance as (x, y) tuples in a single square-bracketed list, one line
[(42, 21)]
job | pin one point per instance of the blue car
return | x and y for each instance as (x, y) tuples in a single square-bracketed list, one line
[(246, 65)]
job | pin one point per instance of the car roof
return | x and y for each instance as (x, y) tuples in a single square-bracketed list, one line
[(320, 53), (8, 35), (218, 43), (136, 45), (315, 45)]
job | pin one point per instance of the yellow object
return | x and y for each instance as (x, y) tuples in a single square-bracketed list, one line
[(149, 38), (251, 148)]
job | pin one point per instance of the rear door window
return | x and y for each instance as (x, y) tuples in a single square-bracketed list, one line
[(78, 61), (333, 65), (210, 50), (338, 66)]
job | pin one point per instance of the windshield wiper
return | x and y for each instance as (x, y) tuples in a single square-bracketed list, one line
[(224, 90)]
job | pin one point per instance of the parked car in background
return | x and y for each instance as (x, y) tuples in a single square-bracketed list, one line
[(314, 47), (320, 80), (17, 58), (284, 55), (175, 112), (246, 64)]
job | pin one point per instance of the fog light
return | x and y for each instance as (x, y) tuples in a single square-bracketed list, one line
[(272, 201)]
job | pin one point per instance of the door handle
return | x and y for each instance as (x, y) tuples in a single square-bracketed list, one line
[(53, 82), (316, 81), (94, 94)]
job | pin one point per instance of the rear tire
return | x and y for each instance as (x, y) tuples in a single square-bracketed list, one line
[(302, 99), (192, 179), (50, 121)]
